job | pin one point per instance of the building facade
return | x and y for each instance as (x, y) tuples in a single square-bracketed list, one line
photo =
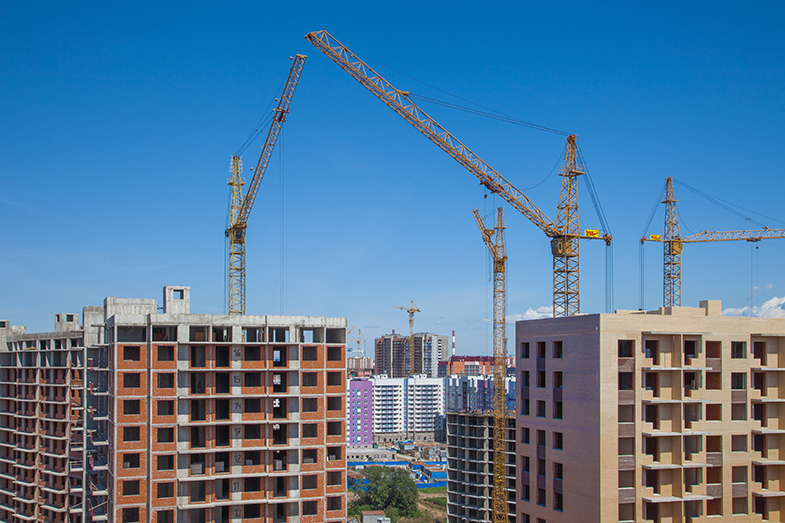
[(470, 457), (164, 417), (360, 408), (408, 408), (671, 415), (391, 356)]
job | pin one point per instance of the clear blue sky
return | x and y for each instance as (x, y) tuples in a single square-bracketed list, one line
[(117, 123)]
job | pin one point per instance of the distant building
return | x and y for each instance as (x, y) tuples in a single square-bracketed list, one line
[(434, 349), (391, 355), (359, 367), (359, 406), (466, 366), (408, 408)]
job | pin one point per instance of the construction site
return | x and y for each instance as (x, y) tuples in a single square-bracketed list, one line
[(140, 411)]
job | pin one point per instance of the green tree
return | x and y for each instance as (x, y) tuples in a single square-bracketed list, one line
[(388, 488)]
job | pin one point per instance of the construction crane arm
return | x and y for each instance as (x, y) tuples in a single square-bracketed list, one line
[(272, 137), (400, 102), (722, 236)]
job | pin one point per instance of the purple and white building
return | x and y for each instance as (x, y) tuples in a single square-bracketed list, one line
[(359, 407)]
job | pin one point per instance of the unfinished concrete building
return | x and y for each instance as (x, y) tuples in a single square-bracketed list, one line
[(138, 415), (470, 458), (671, 415)]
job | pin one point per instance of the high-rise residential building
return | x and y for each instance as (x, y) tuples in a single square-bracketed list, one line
[(466, 366), (475, 393), (671, 415), (359, 366), (391, 356), (359, 406), (408, 408), (141, 414), (470, 464), (434, 349)]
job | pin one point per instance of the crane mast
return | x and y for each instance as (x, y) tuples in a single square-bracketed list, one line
[(565, 234), (673, 245), (494, 240), (240, 207)]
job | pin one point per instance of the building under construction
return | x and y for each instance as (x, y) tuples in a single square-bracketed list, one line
[(143, 415)]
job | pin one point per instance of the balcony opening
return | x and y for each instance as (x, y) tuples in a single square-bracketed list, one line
[(222, 357), (279, 357), (690, 351), (222, 409), (652, 351), (280, 436), (651, 415), (652, 383), (222, 383), (223, 435), (279, 383)]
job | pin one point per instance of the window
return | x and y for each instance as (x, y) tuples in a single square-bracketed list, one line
[(738, 381), (131, 354), (540, 349), (541, 438), (310, 482), (131, 407), (310, 508), (525, 349), (558, 471), (253, 379), (310, 379), (131, 487), (558, 380), (252, 511), (166, 408), (713, 380), (625, 381), (165, 490), (253, 405), (334, 478), (738, 411), (558, 410), (131, 515), (738, 350), (541, 467), (525, 463), (541, 497), (525, 492), (253, 354), (334, 354), (334, 503), (334, 428), (626, 348), (131, 380), (166, 380), (558, 441), (558, 502), (524, 407), (333, 453), (131, 461), (333, 403), (310, 404), (333, 379), (558, 349), (253, 432), (165, 435), (310, 354), (252, 484), (739, 443), (164, 516), (166, 353), (713, 412), (310, 455), (740, 505), (541, 378), (130, 433), (309, 430), (540, 409), (165, 462), (525, 435)]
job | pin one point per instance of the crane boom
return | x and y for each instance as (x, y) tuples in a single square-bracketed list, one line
[(399, 102), (239, 212), (566, 284), (494, 240), (673, 245)]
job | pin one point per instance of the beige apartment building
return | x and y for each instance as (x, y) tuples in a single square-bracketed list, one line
[(673, 415)]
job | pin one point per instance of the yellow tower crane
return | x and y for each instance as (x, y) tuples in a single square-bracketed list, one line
[(564, 234), (240, 207), (411, 310), (494, 240), (673, 245)]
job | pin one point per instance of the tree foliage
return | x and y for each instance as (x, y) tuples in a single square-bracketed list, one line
[(389, 488)]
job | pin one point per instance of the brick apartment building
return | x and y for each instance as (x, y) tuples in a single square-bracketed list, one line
[(137, 415), (671, 415)]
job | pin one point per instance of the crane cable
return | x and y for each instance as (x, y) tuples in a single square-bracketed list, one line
[(641, 286), (728, 206), (262, 123)]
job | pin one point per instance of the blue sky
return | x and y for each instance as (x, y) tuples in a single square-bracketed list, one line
[(117, 123)]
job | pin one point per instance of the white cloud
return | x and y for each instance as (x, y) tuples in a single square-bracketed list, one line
[(770, 309), (545, 311)]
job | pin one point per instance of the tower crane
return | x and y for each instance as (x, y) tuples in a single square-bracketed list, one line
[(240, 207), (494, 240), (564, 233), (411, 310), (673, 245)]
